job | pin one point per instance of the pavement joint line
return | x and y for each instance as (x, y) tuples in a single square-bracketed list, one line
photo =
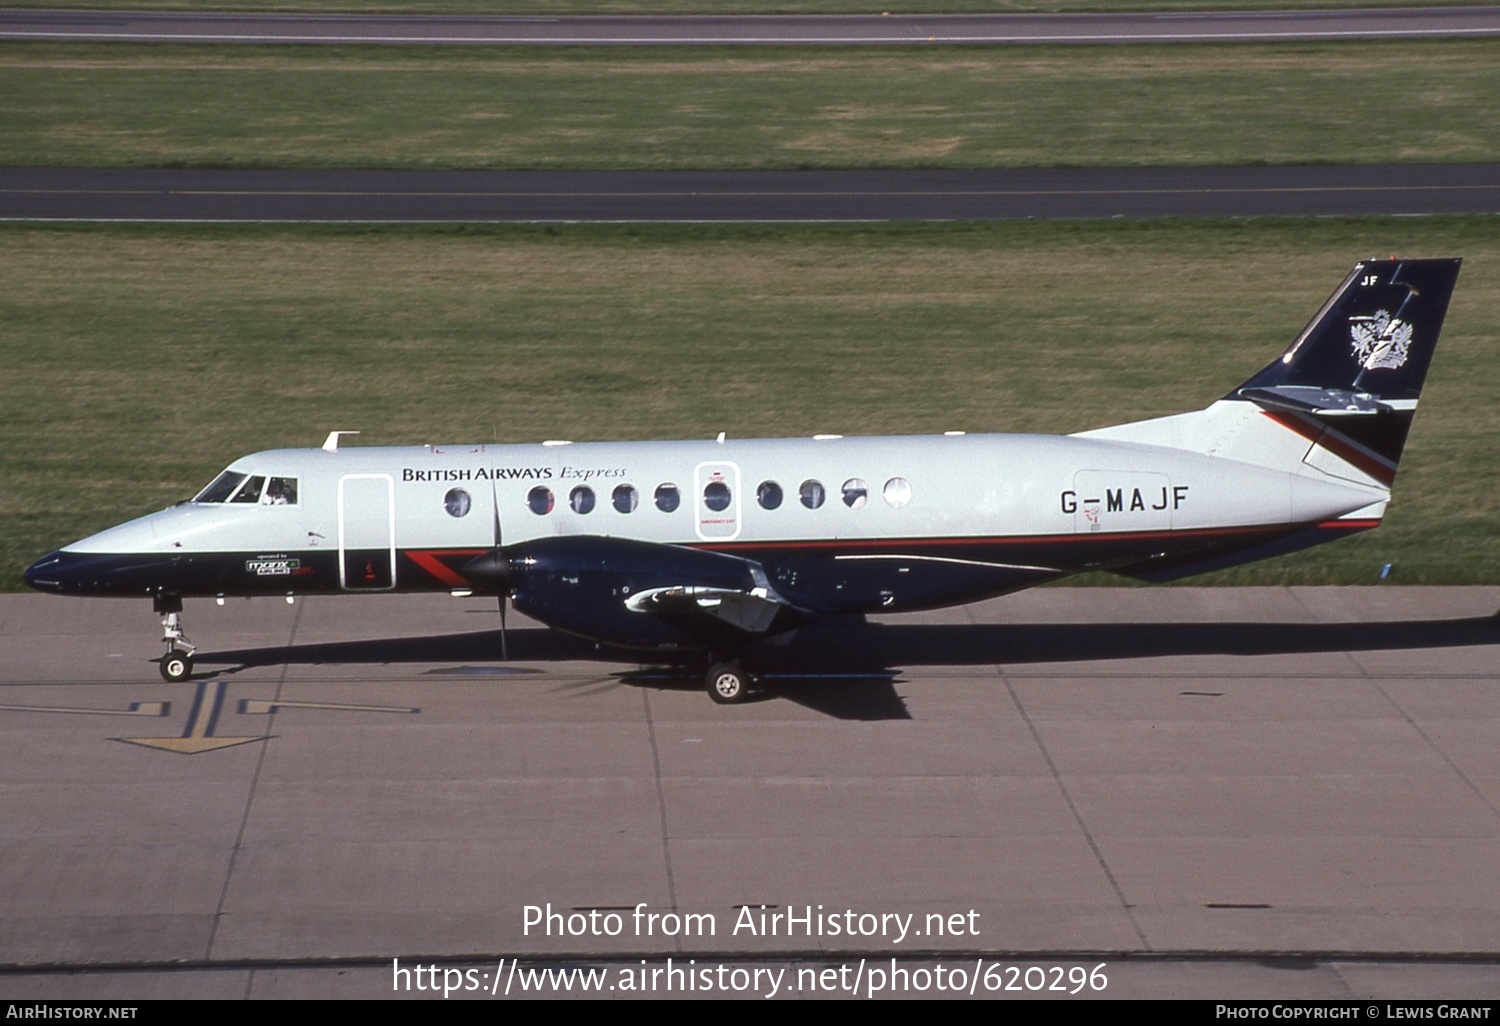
[(1307, 611), (661, 803), (1429, 740), (1077, 814), (260, 762), (1349, 991), (1354, 659)]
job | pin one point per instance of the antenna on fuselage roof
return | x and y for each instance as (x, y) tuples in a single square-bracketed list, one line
[(331, 443)]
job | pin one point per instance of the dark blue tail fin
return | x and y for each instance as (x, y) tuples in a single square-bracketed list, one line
[(1355, 372)]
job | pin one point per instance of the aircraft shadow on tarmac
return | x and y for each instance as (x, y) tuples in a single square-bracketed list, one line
[(849, 669)]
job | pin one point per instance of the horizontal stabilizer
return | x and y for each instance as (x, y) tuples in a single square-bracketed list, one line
[(1350, 382), (1328, 402)]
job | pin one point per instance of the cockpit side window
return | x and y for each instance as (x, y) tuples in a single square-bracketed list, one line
[(222, 487), (282, 491), (250, 490)]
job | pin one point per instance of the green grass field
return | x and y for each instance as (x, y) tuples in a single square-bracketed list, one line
[(137, 361), (92, 105)]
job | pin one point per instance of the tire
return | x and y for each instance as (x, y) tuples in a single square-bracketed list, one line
[(177, 666), (727, 683)]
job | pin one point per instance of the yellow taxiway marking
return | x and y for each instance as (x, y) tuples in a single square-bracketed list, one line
[(136, 709), (197, 736), (264, 707)]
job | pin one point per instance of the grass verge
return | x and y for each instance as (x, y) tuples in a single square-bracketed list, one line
[(775, 107)]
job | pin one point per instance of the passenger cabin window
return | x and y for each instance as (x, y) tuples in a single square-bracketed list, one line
[(625, 498), (539, 500), (581, 499), (716, 496), (897, 491), (768, 495), (811, 493), (457, 502), (667, 497), (250, 491), (856, 493), (221, 488)]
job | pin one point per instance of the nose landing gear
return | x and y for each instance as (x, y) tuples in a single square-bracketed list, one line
[(177, 664)]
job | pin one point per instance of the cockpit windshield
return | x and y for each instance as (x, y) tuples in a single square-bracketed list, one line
[(222, 488), (232, 486)]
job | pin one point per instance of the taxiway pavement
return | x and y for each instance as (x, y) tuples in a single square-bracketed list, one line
[(1258, 792), (347, 195)]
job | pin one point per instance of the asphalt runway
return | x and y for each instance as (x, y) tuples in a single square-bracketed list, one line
[(157, 194), (1241, 793), (1260, 26)]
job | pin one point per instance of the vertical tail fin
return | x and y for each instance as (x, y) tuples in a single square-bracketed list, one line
[(1332, 412), (1351, 380), (1339, 401)]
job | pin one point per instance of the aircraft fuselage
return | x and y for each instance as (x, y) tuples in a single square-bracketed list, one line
[(838, 524)]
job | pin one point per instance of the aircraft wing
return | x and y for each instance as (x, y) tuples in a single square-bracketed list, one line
[(648, 594), (750, 611)]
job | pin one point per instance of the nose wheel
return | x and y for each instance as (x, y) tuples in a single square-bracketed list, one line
[(177, 664)]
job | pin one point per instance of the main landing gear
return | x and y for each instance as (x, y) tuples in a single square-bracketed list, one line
[(728, 683), (177, 664)]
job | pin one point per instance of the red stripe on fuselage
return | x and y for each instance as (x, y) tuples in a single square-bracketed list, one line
[(1364, 524), (906, 545), (429, 560)]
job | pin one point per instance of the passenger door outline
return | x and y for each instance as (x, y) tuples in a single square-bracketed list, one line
[(367, 532)]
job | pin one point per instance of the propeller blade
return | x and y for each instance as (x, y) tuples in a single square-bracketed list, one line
[(495, 505)]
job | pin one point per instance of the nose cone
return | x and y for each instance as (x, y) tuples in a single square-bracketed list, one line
[(66, 572), (121, 560), (47, 573)]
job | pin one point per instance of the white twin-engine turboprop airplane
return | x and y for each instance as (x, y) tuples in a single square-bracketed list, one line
[(711, 546)]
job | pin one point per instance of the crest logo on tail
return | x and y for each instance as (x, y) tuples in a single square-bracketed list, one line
[(1380, 341)]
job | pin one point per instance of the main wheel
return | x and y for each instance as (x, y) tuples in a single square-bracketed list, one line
[(177, 665), (727, 683)]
